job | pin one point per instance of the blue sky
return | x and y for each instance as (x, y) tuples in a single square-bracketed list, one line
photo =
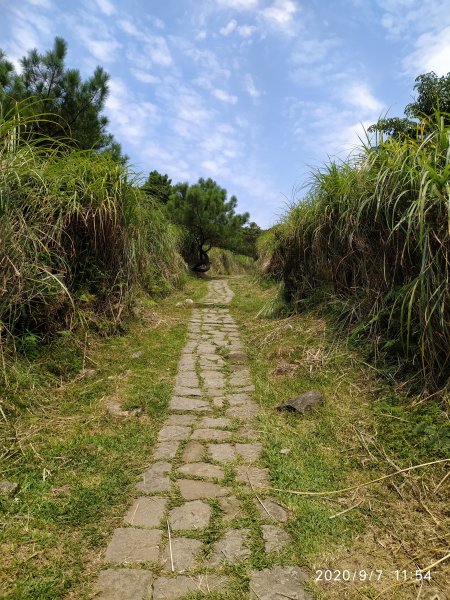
[(252, 93)]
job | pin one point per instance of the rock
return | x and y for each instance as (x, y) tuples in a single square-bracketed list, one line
[(189, 404), (249, 452), (231, 508), (184, 553), (272, 511), (129, 545), (253, 476), (285, 450), (237, 357), (146, 512), (231, 548), (156, 478), (221, 452), (193, 452), (211, 434), (193, 490), (173, 433), (202, 469), (210, 422), (8, 488), (301, 403), (191, 515), (137, 354), (188, 302), (175, 588), (166, 450), (243, 411), (124, 584), (278, 582), (275, 538)]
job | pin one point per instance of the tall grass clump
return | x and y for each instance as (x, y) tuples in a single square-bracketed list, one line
[(372, 237), (76, 235), (226, 262)]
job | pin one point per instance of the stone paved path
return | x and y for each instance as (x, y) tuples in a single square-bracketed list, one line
[(200, 507)]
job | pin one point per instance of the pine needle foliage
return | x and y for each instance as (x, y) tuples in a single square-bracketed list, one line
[(373, 237)]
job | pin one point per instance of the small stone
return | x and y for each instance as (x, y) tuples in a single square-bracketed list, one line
[(146, 512), (218, 401), (129, 545), (285, 450), (272, 511), (275, 538), (189, 404), (166, 450), (249, 452), (193, 490), (231, 508), (8, 488), (183, 555), (193, 452), (202, 469), (191, 515), (231, 548), (211, 434), (214, 422), (137, 354), (278, 582), (244, 411), (258, 477), (124, 584), (174, 588), (301, 403), (155, 479), (174, 432), (221, 452), (184, 420)]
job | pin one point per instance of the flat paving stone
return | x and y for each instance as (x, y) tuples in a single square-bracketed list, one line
[(174, 432), (124, 584), (129, 545), (218, 401), (214, 422), (249, 452), (166, 450), (238, 399), (244, 411), (231, 508), (232, 547), (245, 388), (191, 515), (192, 490), (155, 479), (221, 452), (258, 478), (275, 538), (181, 554), (211, 434), (202, 469), (278, 583), (182, 390), (248, 432), (173, 588), (193, 452), (146, 512), (271, 511), (183, 420), (189, 404)]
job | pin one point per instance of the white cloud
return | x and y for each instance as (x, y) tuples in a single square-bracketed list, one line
[(359, 95), (158, 51), (106, 6), (201, 35), (281, 13), (246, 31), (431, 53), (144, 76), (239, 4), (229, 28), (250, 86), (224, 96), (47, 4)]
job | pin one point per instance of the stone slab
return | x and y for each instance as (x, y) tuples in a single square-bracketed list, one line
[(129, 545), (272, 511), (184, 420), (212, 422), (124, 584), (230, 548), (192, 490), (173, 432), (231, 508), (146, 512), (193, 452), (259, 478), (244, 411), (211, 434), (156, 478), (174, 588), (278, 582), (166, 450), (181, 554), (191, 515), (238, 399), (189, 404), (221, 452), (275, 538), (249, 452), (202, 469), (184, 390)]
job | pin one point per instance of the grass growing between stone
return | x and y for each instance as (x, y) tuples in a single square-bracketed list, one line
[(76, 464), (364, 430)]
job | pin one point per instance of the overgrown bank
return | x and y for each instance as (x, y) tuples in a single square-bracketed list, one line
[(371, 240)]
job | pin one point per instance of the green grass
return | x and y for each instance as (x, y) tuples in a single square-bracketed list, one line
[(291, 355), (76, 465)]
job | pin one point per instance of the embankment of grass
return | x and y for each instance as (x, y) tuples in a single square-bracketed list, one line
[(75, 463), (364, 430)]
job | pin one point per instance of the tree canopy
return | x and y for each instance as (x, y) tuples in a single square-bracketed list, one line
[(158, 187), (46, 86), (433, 94), (204, 210)]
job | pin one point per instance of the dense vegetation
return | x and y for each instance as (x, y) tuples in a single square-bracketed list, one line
[(372, 238)]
